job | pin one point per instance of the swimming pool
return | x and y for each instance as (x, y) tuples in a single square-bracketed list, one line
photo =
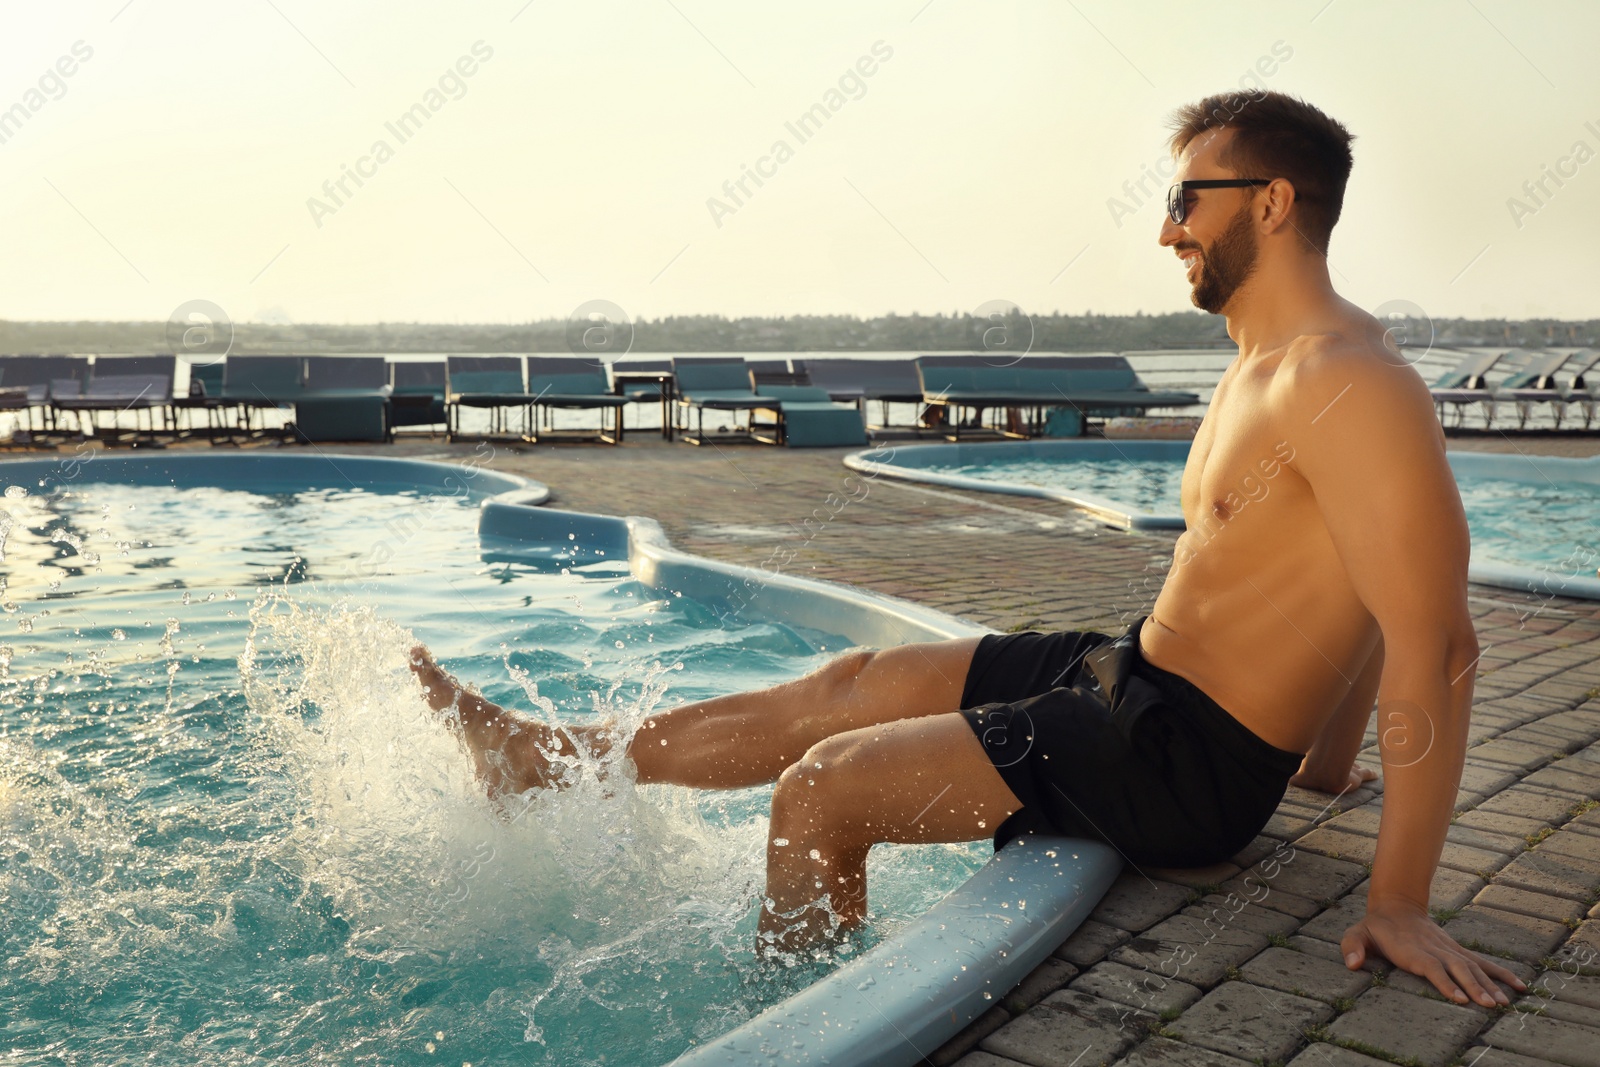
[(1534, 520), (232, 830)]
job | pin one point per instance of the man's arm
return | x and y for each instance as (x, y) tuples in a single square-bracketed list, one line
[(1367, 441), (1330, 765)]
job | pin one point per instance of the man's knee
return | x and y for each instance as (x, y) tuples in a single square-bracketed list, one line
[(813, 794)]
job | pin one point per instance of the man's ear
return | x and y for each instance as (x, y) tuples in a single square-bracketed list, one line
[(1280, 201)]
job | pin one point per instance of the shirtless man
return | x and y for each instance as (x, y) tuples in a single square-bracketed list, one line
[(1323, 568)]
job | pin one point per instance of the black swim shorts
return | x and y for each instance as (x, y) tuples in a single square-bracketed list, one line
[(1098, 743)]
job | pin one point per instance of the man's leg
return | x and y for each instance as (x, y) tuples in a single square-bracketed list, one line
[(726, 742), (914, 781)]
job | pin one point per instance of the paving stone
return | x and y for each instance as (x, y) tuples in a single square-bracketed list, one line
[(1560, 776), (1544, 872), (1143, 990), (1521, 901), (1483, 1056), (1361, 849), (1185, 947), (1235, 911), (1543, 805), (1565, 1010), (1257, 850), (1563, 985), (1164, 1052), (1453, 889), (1484, 779), (1090, 943), (1066, 1027), (1250, 1022), (1331, 923), (1302, 873), (1505, 933), (1201, 878), (1274, 900), (1322, 1054), (1339, 844), (984, 1059), (1524, 756), (1544, 1038), (1365, 820), (1574, 845), (1043, 980), (1304, 975), (1581, 953), (1135, 903), (975, 1031), (1503, 823), (1402, 1026), (1286, 825)]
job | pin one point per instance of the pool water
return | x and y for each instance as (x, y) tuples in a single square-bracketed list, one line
[(1541, 524), (1150, 485), (232, 833)]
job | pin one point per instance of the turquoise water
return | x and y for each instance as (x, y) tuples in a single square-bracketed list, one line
[(1150, 485), (1545, 525), (232, 833)]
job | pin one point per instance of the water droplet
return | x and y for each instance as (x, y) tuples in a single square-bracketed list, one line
[(815, 854), (118, 635), (16, 492), (780, 842)]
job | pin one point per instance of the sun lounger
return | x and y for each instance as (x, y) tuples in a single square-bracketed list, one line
[(765, 372), (1581, 390), (858, 381), (572, 383), (343, 398), (261, 384), (1465, 384), (1535, 384), (120, 384), (1027, 387), (718, 383), (416, 395), (205, 394), (35, 373), (493, 383), (804, 417)]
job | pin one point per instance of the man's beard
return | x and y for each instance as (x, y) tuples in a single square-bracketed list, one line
[(1226, 265)]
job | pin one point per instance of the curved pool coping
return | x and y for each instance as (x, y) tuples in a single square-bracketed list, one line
[(899, 1001), (911, 463)]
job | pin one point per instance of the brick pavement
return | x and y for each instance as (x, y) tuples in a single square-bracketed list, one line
[(1521, 872)]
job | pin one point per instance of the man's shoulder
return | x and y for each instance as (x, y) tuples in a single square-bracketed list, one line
[(1317, 368)]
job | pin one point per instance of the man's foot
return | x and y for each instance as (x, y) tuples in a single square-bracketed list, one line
[(511, 752)]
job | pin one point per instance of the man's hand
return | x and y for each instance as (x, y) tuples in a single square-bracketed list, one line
[(1357, 777), (1407, 937)]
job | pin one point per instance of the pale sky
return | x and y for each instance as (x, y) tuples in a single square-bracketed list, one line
[(975, 163)]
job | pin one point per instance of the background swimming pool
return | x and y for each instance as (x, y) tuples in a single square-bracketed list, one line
[(231, 833), (1545, 524), (1150, 485)]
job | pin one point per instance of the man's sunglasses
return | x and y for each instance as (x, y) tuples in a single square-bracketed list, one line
[(1177, 210)]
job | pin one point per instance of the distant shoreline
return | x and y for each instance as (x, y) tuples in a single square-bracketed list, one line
[(834, 334)]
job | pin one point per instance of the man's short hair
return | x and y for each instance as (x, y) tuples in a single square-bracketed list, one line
[(1278, 136)]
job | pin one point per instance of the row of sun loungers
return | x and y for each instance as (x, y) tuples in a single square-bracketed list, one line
[(798, 402), (1533, 382), (814, 402)]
